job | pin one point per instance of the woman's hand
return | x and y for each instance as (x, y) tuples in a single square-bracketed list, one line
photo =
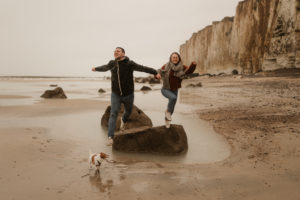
[(193, 63), (158, 76)]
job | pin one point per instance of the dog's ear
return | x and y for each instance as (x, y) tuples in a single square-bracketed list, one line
[(103, 155)]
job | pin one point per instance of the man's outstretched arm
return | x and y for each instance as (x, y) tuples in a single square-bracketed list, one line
[(141, 68), (103, 68)]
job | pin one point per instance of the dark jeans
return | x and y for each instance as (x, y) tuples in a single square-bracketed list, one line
[(116, 101), (172, 96)]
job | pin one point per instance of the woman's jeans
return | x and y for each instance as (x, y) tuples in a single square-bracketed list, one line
[(116, 101), (172, 96)]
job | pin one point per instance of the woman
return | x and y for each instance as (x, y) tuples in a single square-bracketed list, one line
[(172, 74)]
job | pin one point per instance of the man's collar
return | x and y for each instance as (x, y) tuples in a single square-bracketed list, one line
[(120, 59)]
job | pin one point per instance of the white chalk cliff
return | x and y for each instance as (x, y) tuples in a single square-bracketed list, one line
[(263, 35)]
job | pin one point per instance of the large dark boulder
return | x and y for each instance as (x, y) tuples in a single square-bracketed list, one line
[(159, 140), (57, 93), (137, 118)]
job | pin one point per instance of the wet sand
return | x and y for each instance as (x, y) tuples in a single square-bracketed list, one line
[(259, 117)]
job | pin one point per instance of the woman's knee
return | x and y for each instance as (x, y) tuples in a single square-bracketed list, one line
[(173, 98)]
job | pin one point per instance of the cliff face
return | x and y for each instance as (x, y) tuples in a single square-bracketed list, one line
[(204, 47), (283, 49), (263, 35)]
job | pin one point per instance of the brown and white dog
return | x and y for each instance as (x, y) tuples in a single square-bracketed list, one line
[(96, 159)]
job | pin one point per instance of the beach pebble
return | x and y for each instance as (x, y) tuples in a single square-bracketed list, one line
[(145, 88), (101, 90), (199, 84)]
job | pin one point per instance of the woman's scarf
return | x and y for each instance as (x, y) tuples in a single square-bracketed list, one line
[(178, 72), (178, 69)]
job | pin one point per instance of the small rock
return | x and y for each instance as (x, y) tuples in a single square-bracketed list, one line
[(142, 79), (238, 77), (101, 90), (194, 85), (56, 93), (235, 72), (145, 88), (251, 156)]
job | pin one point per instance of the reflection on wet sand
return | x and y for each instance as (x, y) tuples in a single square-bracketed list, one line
[(110, 174)]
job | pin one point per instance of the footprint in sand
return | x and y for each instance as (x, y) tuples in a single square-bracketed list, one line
[(122, 177), (49, 140), (84, 160)]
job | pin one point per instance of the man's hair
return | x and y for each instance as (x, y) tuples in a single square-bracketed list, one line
[(122, 49), (177, 55)]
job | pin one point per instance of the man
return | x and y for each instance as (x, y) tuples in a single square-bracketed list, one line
[(122, 86)]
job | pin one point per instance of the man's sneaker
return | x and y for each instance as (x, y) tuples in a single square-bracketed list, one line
[(123, 125), (168, 123), (110, 141), (168, 116)]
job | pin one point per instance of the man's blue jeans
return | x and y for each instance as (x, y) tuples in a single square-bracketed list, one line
[(116, 101), (172, 96)]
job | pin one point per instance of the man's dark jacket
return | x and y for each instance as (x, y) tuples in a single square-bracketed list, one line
[(122, 82)]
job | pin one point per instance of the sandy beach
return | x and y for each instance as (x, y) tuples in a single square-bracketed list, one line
[(44, 143)]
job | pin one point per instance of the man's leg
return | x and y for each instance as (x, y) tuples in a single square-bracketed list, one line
[(172, 96), (114, 111), (128, 104)]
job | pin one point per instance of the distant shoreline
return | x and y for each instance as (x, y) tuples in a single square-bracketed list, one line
[(54, 76), (63, 77)]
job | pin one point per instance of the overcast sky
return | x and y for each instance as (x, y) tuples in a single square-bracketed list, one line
[(69, 37)]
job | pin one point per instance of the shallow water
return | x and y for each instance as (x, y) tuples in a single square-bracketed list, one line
[(84, 130), (34, 88)]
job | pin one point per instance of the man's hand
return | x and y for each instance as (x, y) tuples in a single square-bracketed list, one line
[(158, 76), (93, 69), (194, 63)]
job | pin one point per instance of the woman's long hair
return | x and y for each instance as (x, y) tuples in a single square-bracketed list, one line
[(177, 55)]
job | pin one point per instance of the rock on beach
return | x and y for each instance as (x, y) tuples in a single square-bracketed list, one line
[(160, 140), (137, 118), (57, 93)]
